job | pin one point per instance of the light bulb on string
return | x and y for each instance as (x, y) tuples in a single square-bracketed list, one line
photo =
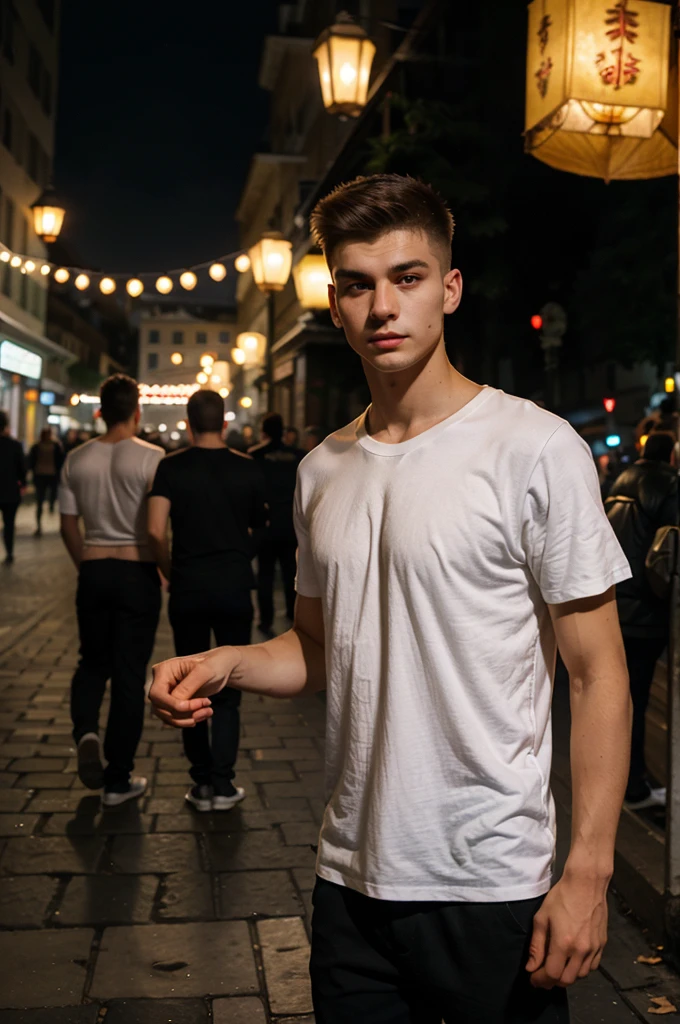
[(224, 392), (134, 287), (30, 266), (242, 263), (217, 271), (246, 402), (176, 358), (215, 379), (82, 282), (164, 285), (61, 275), (45, 269), (107, 286), (202, 378), (15, 262), (5, 256), (206, 360), (238, 355), (188, 280)]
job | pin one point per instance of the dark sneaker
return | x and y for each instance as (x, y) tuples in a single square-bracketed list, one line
[(90, 767), (113, 799), (652, 798), (225, 803), (200, 798)]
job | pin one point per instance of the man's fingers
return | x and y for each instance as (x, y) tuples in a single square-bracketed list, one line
[(199, 675), (549, 975), (537, 948), (180, 721)]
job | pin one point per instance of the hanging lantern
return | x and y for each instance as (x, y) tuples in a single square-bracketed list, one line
[(134, 287), (82, 282), (61, 275), (271, 260), (188, 280), (312, 278), (238, 355), (107, 286), (344, 55), (217, 271), (253, 346), (48, 216), (164, 285), (598, 101), (242, 263)]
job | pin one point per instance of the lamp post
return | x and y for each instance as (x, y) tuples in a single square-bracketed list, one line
[(270, 260), (48, 216), (344, 55)]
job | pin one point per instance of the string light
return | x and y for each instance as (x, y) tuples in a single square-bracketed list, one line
[(215, 379), (45, 269), (4, 256), (15, 261), (164, 285), (242, 263), (246, 402), (61, 275), (30, 266), (217, 271), (134, 287), (206, 360), (202, 378), (188, 280), (238, 355), (107, 286), (82, 282), (181, 424), (176, 358), (224, 392)]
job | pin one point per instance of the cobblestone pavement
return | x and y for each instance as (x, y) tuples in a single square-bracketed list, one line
[(152, 913)]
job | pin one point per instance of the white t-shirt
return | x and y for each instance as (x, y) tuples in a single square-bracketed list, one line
[(434, 560), (108, 484)]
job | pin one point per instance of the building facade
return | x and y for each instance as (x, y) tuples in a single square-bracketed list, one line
[(32, 367)]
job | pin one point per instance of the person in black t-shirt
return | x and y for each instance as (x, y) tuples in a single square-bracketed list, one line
[(214, 498), (12, 483), (279, 464)]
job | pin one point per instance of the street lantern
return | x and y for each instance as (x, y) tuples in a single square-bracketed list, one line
[(344, 55), (597, 93), (48, 216), (271, 260), (312, 278)]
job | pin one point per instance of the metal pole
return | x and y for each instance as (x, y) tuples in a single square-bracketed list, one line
[(271, 338)]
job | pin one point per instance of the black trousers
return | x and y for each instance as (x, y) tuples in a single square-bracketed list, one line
[(642, 654), (9, 514), (45, 487), (118, 605), (275, 547), (194, 615), (384, 962)]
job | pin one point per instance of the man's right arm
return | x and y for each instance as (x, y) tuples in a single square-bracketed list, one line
[(159, 512), (288, 666)]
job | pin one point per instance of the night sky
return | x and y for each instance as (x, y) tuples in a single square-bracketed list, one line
[(159, 113)]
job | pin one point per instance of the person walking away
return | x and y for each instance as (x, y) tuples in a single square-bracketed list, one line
[(106, 482), (311, 438), (214, 498), (643, 499), (12, 483), (291, 437), (45, 460), (450, 539), (279, 465)]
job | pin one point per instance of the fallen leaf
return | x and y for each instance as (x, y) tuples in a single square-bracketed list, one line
[(663, 1005), (649, 959)]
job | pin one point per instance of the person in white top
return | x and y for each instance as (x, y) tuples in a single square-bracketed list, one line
[(450, 540), (105, 482)]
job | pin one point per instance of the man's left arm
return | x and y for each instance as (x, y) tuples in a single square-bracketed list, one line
[(159, 513), (570, 929)]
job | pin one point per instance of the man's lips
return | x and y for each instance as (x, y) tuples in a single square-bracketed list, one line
[(385, 342)]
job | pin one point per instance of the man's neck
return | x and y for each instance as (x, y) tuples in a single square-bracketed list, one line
[(119, 432), (211, 440), (406, 403)]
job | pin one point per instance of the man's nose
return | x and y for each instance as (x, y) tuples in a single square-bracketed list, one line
[(385, 301)]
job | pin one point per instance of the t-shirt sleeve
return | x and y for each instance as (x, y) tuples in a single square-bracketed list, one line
[(570, 546), (68, 503), (160, 487), (306, 582)]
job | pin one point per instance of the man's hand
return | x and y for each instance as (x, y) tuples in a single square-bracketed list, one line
[(182, 687), (570, 933)]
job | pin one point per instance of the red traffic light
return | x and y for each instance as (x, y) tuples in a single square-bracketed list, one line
[(537, 322), (610, 404)]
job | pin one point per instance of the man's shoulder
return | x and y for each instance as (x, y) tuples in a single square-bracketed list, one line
[(147, 448)]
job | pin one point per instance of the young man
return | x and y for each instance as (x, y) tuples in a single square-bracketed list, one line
[(279, 463), (12, 483), (45, 460), (215, 499), (450, 539), (106, 481), (643, 499)]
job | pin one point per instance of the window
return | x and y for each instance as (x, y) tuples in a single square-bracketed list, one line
[(178, 337), (201, 338), (224, 337), (152, 361), (154, 337), (34, 70)]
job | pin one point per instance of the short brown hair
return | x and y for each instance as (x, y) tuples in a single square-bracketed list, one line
[(363, 209), (205, 412), (119, 399)]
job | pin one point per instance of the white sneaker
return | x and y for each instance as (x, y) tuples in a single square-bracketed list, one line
[(200, 798), (225, 803), (655, 798), (137, 787), (90, 767)]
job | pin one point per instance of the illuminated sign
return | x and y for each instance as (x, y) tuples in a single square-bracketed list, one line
[(47, 398), (16, 359)]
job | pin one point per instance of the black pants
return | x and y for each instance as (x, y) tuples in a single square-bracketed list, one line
[(275, 547), (118, 605), (45, 486), (642, 654), (9, 514), (384, 962), (194, 614)]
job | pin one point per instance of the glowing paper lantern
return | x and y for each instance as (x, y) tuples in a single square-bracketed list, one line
[(48, 216), (271, 259), (312, 278), (597, 95), (344, 56), (164, 285), (61, 275), (107, 286), (134, 287), (82, 282), (188, 280), (217, 271), (242, 263), (238, 355)]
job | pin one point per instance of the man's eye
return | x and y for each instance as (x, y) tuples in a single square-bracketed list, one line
[(357, 286), (409, 279)]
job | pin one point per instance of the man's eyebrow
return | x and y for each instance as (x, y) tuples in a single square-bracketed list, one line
[(343, 274)]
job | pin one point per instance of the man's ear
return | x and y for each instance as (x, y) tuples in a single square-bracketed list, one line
[(453, 291), (333, 300)]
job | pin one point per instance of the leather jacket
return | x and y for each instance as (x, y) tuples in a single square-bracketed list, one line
[(642, 499)]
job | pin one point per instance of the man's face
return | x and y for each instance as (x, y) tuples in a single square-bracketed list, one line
[(390, 297)]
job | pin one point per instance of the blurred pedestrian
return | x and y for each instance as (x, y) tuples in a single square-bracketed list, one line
[(291, 437), (311, 437), (45, 460), (643, 499), (106, 482), (247, 436), (214, 498), (279, 544), (12, 483), (71, 440)]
